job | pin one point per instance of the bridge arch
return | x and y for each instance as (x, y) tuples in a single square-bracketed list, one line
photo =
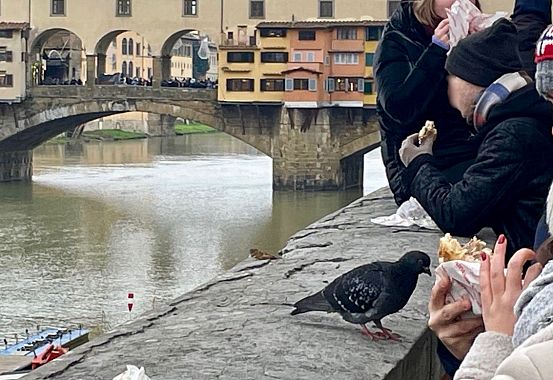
[(57, 116), (64, 58)]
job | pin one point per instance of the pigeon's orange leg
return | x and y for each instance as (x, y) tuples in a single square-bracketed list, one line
[(388, 334), (372, 335)]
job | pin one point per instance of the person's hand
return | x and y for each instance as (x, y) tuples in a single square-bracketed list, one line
[(410, 149), (441, 32), (455, 333), (500, 291)]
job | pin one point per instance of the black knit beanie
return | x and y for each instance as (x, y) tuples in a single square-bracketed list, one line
[(485, 56)]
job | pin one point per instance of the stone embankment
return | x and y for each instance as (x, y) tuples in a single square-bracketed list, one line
[(238, 326)]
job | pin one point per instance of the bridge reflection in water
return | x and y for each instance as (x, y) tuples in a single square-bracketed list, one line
[(156, 217)]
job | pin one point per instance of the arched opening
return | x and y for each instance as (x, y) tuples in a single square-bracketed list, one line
[(189, 59), (130, 70), (131, 46), (124, 68), (124, 49), (57, 57)]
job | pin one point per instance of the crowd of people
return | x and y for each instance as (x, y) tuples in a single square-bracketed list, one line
[(490, 165)]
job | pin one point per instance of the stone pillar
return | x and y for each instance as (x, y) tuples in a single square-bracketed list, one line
[(157, 63), (16, 166), (90, 70), (161, 125), (306, 156), (101, 64)]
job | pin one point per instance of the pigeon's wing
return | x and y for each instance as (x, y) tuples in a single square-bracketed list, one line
[(356, 290)]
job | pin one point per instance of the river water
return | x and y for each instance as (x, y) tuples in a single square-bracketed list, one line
[(154, 217)]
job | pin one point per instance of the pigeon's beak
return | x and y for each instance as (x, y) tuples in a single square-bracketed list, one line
[(427, 271)]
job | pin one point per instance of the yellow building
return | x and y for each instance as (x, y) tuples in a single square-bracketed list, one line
[(372, 35), (130, 54), (12, 65)]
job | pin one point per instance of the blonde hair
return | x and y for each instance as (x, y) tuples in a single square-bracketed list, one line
[(425, 13)]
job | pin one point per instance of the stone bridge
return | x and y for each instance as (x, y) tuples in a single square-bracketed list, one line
[(311, 149)]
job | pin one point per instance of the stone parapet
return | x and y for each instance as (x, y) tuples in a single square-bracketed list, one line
[(16, 166), (238, 325)]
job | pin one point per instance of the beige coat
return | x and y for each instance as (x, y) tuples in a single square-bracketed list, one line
[(492, 358)]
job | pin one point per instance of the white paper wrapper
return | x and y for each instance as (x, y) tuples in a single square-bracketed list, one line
[(462, 15), (465, 283)]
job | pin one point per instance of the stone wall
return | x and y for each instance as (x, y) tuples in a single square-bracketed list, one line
[(16, 166)]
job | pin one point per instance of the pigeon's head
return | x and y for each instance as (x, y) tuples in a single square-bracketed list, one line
[(417, 261)]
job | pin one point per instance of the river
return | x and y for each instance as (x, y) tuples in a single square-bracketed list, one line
[(154, 217)]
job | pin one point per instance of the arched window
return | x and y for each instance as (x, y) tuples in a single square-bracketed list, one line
[(124, 68), (131, 47), (124, 46), (131, 69)]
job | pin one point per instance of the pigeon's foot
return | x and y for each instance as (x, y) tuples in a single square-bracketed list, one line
[(387, 333), (372, 335)]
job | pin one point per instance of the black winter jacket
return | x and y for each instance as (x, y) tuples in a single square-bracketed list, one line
[(410, 76), (507, 185)]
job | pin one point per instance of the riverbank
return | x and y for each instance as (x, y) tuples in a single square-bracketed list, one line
[(193, 128), (238, 325)]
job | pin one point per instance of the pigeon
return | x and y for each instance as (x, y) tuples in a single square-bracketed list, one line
[(370, 292)]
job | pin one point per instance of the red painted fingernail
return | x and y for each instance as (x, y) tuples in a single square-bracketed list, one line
[(483, 256), (501, 239)]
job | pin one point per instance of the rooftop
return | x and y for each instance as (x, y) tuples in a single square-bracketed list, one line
[(320, 24), (6, 25)]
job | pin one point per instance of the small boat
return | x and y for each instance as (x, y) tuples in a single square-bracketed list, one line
[(51, 352), (39, 348)]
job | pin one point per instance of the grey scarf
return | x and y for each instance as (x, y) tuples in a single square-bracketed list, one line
[(534, 307)]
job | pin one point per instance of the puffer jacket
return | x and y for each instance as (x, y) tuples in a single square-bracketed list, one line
[(410, 77), (507, 185)]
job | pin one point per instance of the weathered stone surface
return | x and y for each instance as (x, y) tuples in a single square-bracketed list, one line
[(238, 325)]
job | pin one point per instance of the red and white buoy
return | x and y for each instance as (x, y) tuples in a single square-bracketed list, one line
[(130, 301)]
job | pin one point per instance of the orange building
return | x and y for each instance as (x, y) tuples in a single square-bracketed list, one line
[(304, 64)]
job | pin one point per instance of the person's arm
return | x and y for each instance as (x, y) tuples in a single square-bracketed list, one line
[(531, 17), (465, 207), (405, 88)]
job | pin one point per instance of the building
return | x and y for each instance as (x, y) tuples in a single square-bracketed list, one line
[(129, 54), (303, 64), (12, 61)]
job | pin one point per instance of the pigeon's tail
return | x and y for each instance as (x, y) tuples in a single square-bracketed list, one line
[(316, 302)]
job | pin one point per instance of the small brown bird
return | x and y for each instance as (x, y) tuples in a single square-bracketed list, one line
[(262, 255)]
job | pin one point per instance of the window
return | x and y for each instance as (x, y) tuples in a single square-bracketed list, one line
[(346, 33), (190, 8), (272, 84), (239, 56), (257, 9), (274, 57), (124, 46), (138, 51), (5, 55), (130, 69), (369, 87), (346, 59), (124, 68), (6, 80), (138, 73), (307, 35), (297, 56), (373, 33), (131, 46), (349, 84), (272, 32), (369, 59), (58, 7), (239, 84), (123, 8), (392, 6), (310, 56), (301, 84), (326, 8), (6, 33)]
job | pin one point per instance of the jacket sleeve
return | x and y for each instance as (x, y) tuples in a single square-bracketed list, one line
[(486, 354), (465, 207), (406, 88)]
